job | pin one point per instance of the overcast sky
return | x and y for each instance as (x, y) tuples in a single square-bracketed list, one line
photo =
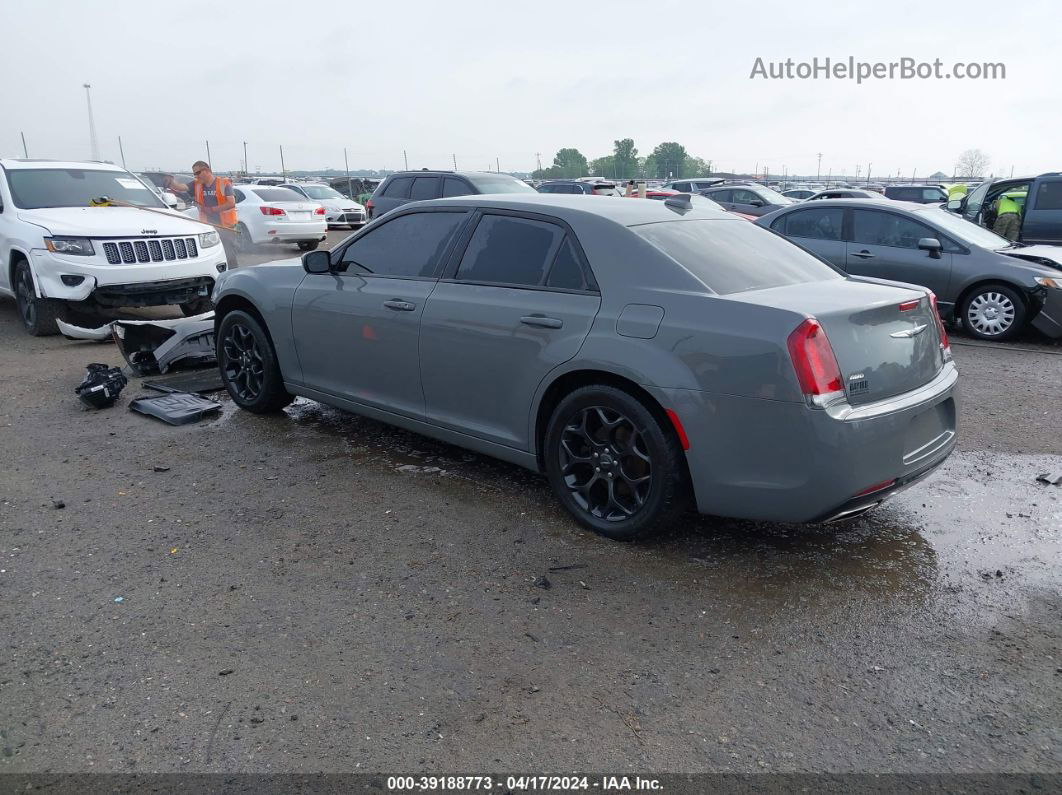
[(487, 80)]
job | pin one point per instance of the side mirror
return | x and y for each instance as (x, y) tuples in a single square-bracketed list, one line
[(317, 262), (756, 202), (932, 245), (955, 205)]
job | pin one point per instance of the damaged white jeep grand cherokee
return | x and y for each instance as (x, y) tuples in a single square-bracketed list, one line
[(61, 250)]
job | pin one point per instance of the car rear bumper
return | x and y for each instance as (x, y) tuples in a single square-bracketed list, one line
[(783, 461), (75, 279), (293, 231)]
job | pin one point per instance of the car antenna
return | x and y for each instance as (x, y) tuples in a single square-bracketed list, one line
[(680, 203)]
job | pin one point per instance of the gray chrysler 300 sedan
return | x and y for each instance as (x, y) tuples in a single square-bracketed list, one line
[(642, 354)]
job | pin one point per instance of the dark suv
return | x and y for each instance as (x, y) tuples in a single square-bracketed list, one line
[(403, 187), (920, 194), (1039, 200)]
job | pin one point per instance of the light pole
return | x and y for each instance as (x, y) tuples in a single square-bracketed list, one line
[(246, 165), (93, 143), (818, 170)]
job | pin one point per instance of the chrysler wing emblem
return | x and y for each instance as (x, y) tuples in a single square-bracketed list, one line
[(907, 333)]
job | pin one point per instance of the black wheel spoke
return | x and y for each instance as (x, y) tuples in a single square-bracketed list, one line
[(605, 464), (243, 365)]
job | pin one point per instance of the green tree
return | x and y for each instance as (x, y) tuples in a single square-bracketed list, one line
[(695, 167), (570, 163), (603, 166), (669, 160), (625, 158)]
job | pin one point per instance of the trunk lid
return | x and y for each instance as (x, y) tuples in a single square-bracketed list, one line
[(884, 335)]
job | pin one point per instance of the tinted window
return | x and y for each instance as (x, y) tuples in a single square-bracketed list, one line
[(1049, 196), (904, 194), (888, 229), (424, 188), (455, 187), (566, 273), (733, 256), (934, 195), (721, 195), (548, 188), (822, 223), (744, 197), (683, 187), (409, 246), (398, 188), (237, 194), (278, 195), (509, 250)]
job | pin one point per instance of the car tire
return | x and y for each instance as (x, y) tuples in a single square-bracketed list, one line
[(38, 314), (613, 465), (248, 364), (308, 245), (244, 244), (993, 312), (196, 307)]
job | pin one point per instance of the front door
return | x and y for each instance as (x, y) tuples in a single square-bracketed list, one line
[(885, 245), (357, 330), (520, 303)]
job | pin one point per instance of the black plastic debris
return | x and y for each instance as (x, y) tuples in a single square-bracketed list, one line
[(176, 408), (155, 346), (198, 381), (1050, 478), (101, 386)]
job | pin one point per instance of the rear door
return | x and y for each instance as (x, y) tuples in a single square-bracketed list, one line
[(884, 245), (1042, 222), (425, 188), (518, 303), (819, 228), (357, 330), (394, 194)]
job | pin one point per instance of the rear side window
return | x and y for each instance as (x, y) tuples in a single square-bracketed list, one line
[(566, 273), (1049, 196), (822, 223), (398, 188), (455, 187), (734, 256), (683, 187), (410, 246), (721, 195), (237, 194), (507, 250), (424, 188), (888, 229)]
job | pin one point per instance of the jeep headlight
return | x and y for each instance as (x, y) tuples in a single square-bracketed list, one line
[(81, 246), (208, 239), (1047, 281)]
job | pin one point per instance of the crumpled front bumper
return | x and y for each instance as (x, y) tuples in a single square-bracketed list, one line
[(85, 275), (1049, 319)]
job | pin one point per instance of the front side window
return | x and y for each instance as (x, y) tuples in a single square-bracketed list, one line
[(888, 229), (822, 223), (508, 250), (37, 188), (410, 246), (731, 256), (321, 192)]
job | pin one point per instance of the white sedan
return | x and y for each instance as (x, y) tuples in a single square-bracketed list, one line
[(269, 214), (339, 210)]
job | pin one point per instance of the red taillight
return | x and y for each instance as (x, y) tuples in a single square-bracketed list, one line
[(907, 306), (815, 365), (319, 211), (876, 487), (271, 210), (944, 344)]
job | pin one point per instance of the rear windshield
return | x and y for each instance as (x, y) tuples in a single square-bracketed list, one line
[(35, 188), (500, 183), (278, 195), (734, 256)]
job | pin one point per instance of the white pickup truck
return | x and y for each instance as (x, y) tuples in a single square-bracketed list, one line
[(57, 251)]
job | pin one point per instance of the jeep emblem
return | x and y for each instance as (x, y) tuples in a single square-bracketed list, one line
[(149, 231)]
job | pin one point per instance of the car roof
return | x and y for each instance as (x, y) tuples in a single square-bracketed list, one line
[(570, 208), (862, 204), (26, 163), (427, 172)]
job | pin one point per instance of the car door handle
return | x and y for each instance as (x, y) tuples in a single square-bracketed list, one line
[(399, 305), (542, 321), (863, 254)]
